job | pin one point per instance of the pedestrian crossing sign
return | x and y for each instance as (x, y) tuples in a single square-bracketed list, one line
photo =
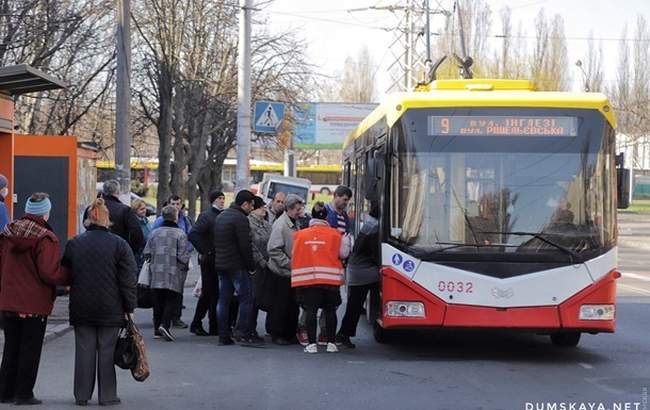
[(268, 116)]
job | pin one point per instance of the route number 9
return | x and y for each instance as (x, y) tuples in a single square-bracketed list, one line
[(444, 125)]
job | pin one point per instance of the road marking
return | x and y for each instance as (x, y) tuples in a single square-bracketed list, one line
[(586, 366), (635, 276), (635, 289), (356, 362)]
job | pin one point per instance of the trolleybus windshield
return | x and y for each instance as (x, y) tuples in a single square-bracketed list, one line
[(484, 176)]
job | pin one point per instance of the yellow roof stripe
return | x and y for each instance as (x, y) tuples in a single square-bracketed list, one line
[(480, 93)]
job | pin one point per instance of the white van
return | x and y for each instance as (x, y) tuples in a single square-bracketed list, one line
[(274, 183)]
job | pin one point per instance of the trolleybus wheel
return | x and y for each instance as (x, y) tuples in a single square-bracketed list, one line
[(565, 339)]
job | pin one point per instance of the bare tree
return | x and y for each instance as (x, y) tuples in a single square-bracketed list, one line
[(63, 38), (594, 65), (357, 82), (620, 92), (549, 61), (187, 86)]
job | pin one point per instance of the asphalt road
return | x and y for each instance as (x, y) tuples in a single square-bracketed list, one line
[(437, 370)]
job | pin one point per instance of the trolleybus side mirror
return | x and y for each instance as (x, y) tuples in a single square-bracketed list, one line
[(623, 183)]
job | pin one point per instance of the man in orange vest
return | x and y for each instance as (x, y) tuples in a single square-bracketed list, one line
[(317, 273)]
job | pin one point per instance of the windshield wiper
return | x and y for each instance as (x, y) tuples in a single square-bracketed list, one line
[(539, 236), (454, 245)]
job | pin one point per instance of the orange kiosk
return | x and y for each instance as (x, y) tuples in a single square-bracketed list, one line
[(37, 163)]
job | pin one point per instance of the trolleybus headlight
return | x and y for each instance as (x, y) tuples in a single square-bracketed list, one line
[(597, 312), (405, 309)]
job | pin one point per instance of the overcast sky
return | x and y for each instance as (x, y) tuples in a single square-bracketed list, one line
[(333, 32)]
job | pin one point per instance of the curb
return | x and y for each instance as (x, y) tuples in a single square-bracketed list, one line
[(56, 332)]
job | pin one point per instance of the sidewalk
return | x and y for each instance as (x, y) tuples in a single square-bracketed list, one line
[(634, 230), (58, 322)]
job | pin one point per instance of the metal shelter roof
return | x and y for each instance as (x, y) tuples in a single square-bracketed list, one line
[(22, 79)]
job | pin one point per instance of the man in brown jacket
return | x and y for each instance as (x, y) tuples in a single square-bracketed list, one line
[(29, 272)]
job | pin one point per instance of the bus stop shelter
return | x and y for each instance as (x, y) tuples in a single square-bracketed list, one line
[(36, 163)]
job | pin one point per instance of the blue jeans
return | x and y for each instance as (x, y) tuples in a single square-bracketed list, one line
[(229, 281)]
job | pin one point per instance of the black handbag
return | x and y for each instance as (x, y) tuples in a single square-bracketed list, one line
[(126, 351), (145, 297), (264, 285)]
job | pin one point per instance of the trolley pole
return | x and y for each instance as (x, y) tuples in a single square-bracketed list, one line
[(123, 93), (244, 96)]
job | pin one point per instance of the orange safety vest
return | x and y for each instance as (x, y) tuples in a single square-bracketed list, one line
[(315, 258)]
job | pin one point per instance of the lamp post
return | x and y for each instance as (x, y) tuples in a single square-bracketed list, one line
[(584, 74)]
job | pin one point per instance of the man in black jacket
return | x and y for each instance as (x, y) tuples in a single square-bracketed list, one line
[(201, 236), (124, 222), (233, 255)]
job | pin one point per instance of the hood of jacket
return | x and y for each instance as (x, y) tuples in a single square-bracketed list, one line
[(24, 233)]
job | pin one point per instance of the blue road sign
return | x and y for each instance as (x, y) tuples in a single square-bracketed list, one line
[(268, 116)]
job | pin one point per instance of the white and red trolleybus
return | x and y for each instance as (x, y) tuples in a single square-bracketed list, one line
[(498, 208)]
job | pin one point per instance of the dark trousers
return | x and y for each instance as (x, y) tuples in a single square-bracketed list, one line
[(209, 296), (21, 356), (313, 298), (283, 316), (229, 281), (356, 297), (94, 355), (165, 306)]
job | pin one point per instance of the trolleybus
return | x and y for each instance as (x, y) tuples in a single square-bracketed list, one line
[(498, 208)]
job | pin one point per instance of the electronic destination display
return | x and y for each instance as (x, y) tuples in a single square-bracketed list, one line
[(517, 125)]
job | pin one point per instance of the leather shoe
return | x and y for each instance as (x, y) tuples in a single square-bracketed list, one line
[(226, 341), (81, 402), (281, 341), (179, 324), (27, 402), (110, 402), (198, 330), (7, 400)]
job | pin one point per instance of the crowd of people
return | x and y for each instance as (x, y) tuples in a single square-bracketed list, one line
[(253, 257)]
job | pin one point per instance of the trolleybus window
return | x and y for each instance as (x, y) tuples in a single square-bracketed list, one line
[(503, 193)]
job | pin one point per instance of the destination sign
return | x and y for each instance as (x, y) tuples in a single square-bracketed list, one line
[(533, 126)]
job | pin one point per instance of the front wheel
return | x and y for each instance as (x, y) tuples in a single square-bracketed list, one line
[(565, 339)]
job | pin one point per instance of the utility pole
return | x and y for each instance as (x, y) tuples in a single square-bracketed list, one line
[(409, 50), (123, 94), (244, 96), (411, 45)]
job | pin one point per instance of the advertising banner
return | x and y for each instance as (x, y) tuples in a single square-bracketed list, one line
[(325, 125)]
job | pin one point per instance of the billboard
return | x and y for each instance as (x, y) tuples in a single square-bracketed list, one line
[(325, 125)]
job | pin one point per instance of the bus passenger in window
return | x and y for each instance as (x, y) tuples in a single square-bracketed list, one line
[(563, 214), (486, 223)]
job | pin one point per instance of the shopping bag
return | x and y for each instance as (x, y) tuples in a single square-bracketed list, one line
[(141, 370), (144, 278), (198, 288), (126, 354)]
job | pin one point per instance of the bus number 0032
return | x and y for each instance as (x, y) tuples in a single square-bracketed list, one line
[(458, 287)]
